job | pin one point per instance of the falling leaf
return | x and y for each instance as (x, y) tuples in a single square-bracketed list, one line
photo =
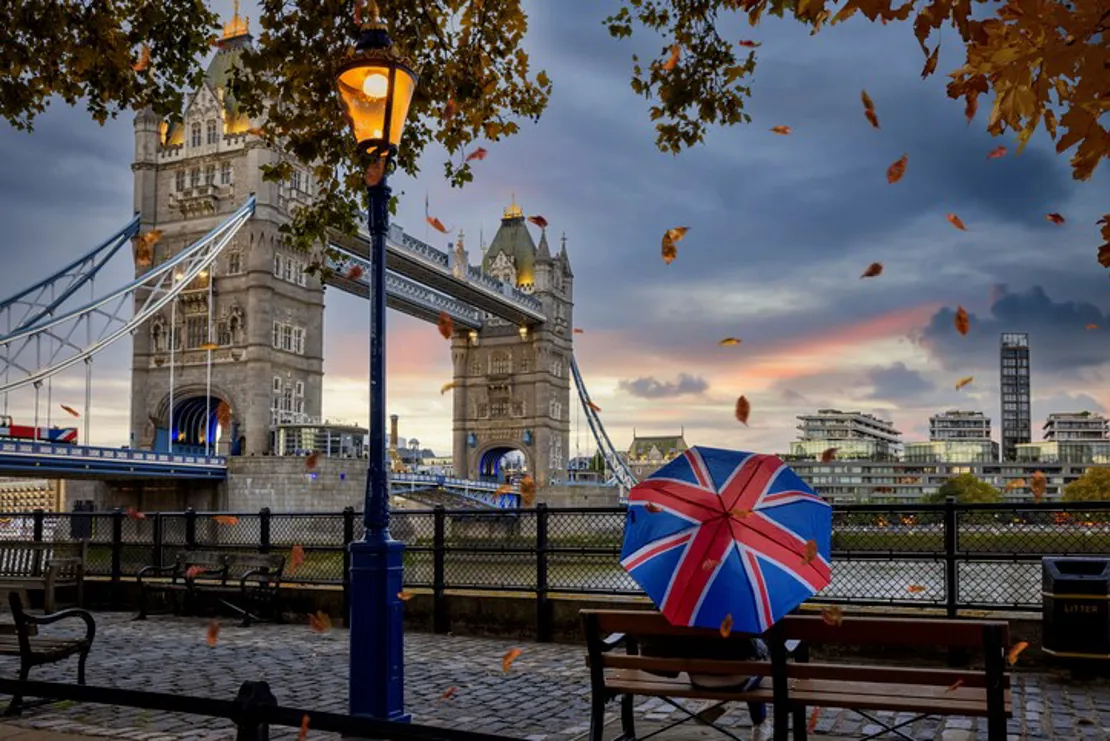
[(311, 459), (964, 381), (450, 109), (652, 507), (144, 59), (954, 220), (208, 346), (296, 557), (962, 320), (743, 409), (895, 172), (257, 131), (1092, 326), (915, 588), (872, 118), (1055, 218), (874, 269), (437, 224), (1015, 484), (374, 172), (447, 387), (354, 272), (320, 622), (510, 656), (593, 406), (955, 685), (930, 63), (810, 552), (225, 519), (478, 154), (404, 596), (749, 44), (503, 489), (829, 454), (741, 514), (223, 413), (539, 221), (670, 64), (813, 716), (670, 239), (972, 106), (448, 693), (1012, 656), (710, 563), (527, 490), (726, 626), (193, 572), (781, 130), (1037, 485), (446, 325), (70, 410), (578, 330), (213, 633), (729, 341), (833, 615), (303, 735), (134, 514), (868, 104), (997, 152)]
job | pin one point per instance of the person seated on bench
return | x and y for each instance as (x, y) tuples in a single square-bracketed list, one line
[(734, 648)]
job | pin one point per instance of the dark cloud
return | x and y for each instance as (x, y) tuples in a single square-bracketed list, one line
[(651, 388), (1058, 338), (896, 382)]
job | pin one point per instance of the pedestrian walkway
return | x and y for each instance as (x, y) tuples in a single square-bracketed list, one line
[(544, 696)]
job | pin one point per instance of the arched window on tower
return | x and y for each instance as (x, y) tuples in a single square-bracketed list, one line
[(194, 135), (213, 134), (157, 336)]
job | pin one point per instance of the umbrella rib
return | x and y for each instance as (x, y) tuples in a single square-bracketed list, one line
[(666, 491)]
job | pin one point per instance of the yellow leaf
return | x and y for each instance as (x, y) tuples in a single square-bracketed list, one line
[(726, 626), (447, 387), (404, 596), (964, 381), (833, 615), (670, 239), (1012, 656), (729, 341), (931, 63)]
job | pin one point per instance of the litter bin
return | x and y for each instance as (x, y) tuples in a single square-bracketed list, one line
[(1076, 599)]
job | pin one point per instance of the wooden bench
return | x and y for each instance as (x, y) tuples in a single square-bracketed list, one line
[(254, 580), (35, 650), (45, 566), (794, 687)]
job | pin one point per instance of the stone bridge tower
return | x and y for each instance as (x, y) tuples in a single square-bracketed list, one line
[(512, 384), (262, 312)]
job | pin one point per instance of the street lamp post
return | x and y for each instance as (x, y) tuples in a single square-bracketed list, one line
[(376, 86)]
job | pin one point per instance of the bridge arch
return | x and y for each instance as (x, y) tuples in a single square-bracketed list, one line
[(195, 421), (491, 459)]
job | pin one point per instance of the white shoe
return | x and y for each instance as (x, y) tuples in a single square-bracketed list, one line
[(763, 732)]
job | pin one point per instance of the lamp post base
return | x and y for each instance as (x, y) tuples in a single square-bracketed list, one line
[(377, 686)]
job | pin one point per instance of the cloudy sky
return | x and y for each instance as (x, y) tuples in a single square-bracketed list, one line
[(781, 228)]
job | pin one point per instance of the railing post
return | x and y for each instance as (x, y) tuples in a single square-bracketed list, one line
[(951, 579), (37, 518), (251, 703), (190, 528), (543, 608), (158, 537), (440, 621), (348, 538), (264, 530), (117, 554)]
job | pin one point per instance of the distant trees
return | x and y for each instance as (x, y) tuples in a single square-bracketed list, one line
[(967, 489), (1092, 486)]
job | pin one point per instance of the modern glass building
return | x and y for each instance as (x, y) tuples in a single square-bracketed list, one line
[(1014, 365)]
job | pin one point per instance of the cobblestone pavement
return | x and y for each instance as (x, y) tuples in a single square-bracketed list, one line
[(545, 695)]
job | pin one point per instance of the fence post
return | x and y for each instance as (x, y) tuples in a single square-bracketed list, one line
[(190, 528), (253, 700), (37, 518), (158, 537), (440, 621), (951, 580), (348, 538), (264, 530), (117, 554), (543, 608)]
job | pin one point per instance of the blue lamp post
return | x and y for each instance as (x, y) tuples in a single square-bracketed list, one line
[(376, 86)]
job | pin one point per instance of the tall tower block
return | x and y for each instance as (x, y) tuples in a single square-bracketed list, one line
[(1014, 389)]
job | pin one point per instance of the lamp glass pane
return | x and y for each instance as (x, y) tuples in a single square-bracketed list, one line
[(404, 85), (364, 96)]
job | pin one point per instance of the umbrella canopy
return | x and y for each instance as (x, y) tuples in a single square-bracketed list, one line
[(726, 538)]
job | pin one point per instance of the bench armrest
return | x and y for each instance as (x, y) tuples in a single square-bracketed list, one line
[(206, 573), (73, 612), (153, 570), (612, 641), (272, 578)]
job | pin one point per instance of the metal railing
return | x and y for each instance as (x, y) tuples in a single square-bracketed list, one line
[(945, 556)]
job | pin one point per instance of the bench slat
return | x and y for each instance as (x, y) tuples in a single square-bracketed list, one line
[(887, 631), (641, 683), (943, 678), (697, 666), (970, 701)]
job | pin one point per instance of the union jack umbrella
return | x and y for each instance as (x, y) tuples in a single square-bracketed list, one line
[(721, 533)]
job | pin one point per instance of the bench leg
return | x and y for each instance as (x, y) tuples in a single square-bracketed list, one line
[(15, 707), (628, 720), (142, 604), (801, 723), (84, 655), (597, 718)]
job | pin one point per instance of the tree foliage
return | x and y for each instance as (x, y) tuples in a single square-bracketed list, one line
[(1092, 486), (967, 489)]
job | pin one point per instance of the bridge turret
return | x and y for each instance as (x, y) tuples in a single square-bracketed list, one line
[(148, 128)]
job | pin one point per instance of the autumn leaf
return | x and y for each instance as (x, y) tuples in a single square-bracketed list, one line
[(954, 220), (810, 552), (710, 563), (296, 557), (869, 109), (829, 454), (320, 622), (811, 726), (539, 221), (873, 270), (579, 330), (915, 588), (964, 381), (213, 633), (303, 735), (1055, 218), (134, 514), (144, 59), (971, 106), (833, 615), (446, 325), (1012, 656), (1037, 484), (997, 152), (930, 63), (726, 626), (478, 154), (955, 685), (743, 409), (507, 660), (208, 346), (437, 224), (740, 514), (652, 507), (781, 130), (223, 414), (311, 459), (729, 341), (448, 693), (1092, 326), (70, 410), (193, 572), (872, 118), (962, 320), (895, 172), (354, 272), (749, 44), (450, 109), (447, 387), (1015, 484), (670, 239), (672, 62), (225, 519), (527, 490), (404, 596), (593, 406)]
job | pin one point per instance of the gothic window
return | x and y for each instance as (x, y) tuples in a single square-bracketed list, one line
[(298, 340), (475, 367), (212, 135), (195, 135), (194, 177), (235, 326), (483, 411), (277, 335), (179, 181), (277, 265), (499, 409), (234, 262), (557, 367), (525, 363), (196, 331), (287, 337), (225, 173), (296, 180), (277, 384), (210, 175), (555, 409), (158, 336), (504, 268), (518, 408), (501, 364), (223, 333)]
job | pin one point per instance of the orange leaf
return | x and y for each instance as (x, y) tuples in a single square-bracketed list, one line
[(915, 588), (193, 572), (1037, 485), (810, 552), (954, 220), (510, 656), (710, 563), (446, 325), (437, 224), (749, 44), (1016, 651), (999, 151), (447, 387), (303, 735), (1055, 218), (477, 154), (833, 615), (354, 272), (223, 413), (653, 507), (743, 409), (1015, 484), (962, 320), (577, 330), (593, 406), (404, 596), (955, 685), (829, 454), (539, 221), (208, 346), (670, 239), (930, 63), (448, 693), (311, 459), (874, 269), (1092, 326), (781, 130), (527, 490), (296, 557), (134, 514), (741, 514), (872, 118), (225, 519), (450, 109), (70, 410), (972, 106), (213, 633), (320, 622), (144, 59), (964, 381), (868, 104), (729, 341), (812, 725), (726, 626), (670, 64), (895, 172)]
